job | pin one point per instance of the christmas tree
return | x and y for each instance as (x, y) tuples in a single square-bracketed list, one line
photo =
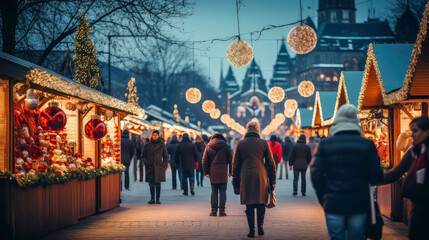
[(86, 67)]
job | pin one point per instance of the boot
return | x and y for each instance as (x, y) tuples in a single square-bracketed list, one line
[(152, 195), (158, 194), (260, 219), (251, 221), (213, 213), (222, 212), (192, 191)]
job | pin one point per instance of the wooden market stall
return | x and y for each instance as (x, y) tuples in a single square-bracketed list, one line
[(304, 117), (324, 109), (385, 71), (60, 149)]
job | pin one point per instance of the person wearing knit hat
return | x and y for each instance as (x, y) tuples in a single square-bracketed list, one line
[(344, 166)]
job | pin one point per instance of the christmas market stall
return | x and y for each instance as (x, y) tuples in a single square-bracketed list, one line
[(324, 109), (383, 118), (60, 149), (303, 120)]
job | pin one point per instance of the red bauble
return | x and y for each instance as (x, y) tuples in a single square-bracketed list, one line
[(95, 129), (52, 119)]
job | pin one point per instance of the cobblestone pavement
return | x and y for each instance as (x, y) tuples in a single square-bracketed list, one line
[(187, 217)]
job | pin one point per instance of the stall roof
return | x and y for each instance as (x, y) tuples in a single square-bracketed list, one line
[(415, 84), (353, 83), (164, 116), (305, 117), (328, 100), (31, 73)]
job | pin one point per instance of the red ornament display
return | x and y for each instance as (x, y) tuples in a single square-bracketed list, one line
[(95, 128), (52, 118)]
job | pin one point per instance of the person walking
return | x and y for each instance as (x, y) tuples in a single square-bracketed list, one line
[(137, 156), (253, 165), (313, 145), (171, 149), (141, 165), (299, 158), (199, 144), (344, 166), (127, 153), (155, 158), (276, 150), (217, 167), (416, 184), (186, 157), (286, 147)]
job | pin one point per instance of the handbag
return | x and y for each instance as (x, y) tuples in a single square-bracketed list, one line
[(374, 221), (271, 200)]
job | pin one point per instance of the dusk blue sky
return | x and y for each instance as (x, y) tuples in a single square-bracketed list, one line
[(217, 19)]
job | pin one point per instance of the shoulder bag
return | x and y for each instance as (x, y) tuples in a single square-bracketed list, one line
[(374, 221)]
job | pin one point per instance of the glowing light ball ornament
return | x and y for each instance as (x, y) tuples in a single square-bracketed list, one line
[(193, 95), (224, 118), (95, 128), (289, 113), (291, 104), (302, 39), (215, 114), (52, 118), (306, 88), (276, 94), (208, 106), (239, 53)]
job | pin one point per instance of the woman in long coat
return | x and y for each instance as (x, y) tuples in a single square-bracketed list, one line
[(155, 158), (253, 164)]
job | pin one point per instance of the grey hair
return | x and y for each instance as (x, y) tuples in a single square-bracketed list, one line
[(253, 126)]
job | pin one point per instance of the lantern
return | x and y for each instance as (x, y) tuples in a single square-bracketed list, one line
[(193, 95), (52, 118), (302, 39), (291, 104), (208, 106), (276, 94), (306, 88), (289, 113), (31, 101), (215, 114), (95, 128), (239, 53)]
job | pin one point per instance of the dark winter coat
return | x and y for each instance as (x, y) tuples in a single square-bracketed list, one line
[(171, 149), (139, 148), (286, 147), (200, 149), (155, 158), (217, 159), (344, 166), (300, 155), (127, 148), (186, 155), (252, 162)]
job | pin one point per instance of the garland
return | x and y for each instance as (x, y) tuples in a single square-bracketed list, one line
[(53, 177)]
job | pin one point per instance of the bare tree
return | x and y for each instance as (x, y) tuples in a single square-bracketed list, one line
[(45, 24), (397, 8)]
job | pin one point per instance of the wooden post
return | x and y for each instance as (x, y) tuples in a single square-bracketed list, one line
[(424, 109), (395, 154)]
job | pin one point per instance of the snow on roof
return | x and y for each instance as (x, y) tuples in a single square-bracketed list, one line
[(392, 61), (353, 81)]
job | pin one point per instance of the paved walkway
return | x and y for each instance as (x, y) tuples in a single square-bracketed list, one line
[(187, 217)]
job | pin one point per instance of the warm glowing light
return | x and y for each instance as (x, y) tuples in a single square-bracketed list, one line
[(306, 88), (302, 39), (208, 106), (276, 94), (239, 53), (193, 95)]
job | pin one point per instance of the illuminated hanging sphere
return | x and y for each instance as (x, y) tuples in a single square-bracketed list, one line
[(291, 104), (302, 39), (306, 88), (208, 106), (239, 53), (215, 114), (224, 118), (276, 94), (193, 95), (280, 117), (289, 113)]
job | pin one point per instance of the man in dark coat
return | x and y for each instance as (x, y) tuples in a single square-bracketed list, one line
[(186, 156), (299, 158), (286, 147), (127, 153), (171, 149), (155, 158), (253, 164), (344, 166), (217, 166)]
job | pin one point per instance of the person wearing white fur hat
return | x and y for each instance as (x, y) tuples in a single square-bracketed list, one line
[(345, 164)]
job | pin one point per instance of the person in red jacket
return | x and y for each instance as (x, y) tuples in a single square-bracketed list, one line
[(276, 149)]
